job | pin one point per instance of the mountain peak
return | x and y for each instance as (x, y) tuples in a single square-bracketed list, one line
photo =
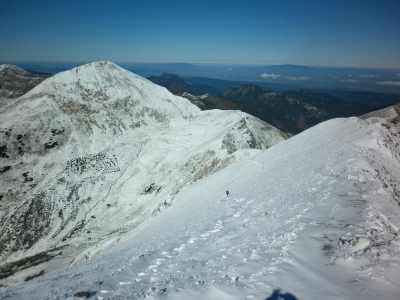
[(97, 64), (167, 75), (7, 69), (104, 91)]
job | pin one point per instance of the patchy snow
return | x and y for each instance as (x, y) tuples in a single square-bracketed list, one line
[(14, 82), (204, 96), (313, 217), (7, 69)]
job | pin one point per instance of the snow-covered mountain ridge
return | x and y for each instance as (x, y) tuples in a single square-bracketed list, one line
[(93, 153), (314, 217), (390, 114), (14, 82), (7, 69)]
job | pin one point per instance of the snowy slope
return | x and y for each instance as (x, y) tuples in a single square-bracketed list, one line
[(95, 152), (313, 217)]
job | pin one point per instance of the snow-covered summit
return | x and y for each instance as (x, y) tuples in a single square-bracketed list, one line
[(7, 69), (113, 95), (93, 153)]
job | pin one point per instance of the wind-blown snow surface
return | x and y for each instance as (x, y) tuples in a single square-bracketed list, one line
[(93, 153), (316, 216)]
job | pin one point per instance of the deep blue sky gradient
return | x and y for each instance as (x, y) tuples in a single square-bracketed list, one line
[(339, 33)]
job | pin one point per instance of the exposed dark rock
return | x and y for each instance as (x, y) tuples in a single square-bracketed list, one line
[(50, 145), (27, 178), (82, 294), (57, 132), (34, 276), (4, 169), (3, 151), (149, 189)]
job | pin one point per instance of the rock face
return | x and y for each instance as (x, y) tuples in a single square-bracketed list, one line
[(90, 154), (250, 133)]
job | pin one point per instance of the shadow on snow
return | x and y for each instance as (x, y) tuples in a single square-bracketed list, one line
[(277, 295)]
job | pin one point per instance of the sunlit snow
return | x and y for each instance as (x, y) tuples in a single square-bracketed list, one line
[(313, 217)]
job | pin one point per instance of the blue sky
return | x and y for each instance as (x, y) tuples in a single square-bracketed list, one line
[(314, 33)]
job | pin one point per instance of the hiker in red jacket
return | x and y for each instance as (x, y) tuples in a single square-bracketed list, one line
[(227, 193)]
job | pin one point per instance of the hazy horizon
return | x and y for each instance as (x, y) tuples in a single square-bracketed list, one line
[(216, 64), (357, 34)]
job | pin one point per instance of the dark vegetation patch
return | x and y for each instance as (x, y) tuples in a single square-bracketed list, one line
[(14, 86), (20, 150), (57, 132), (10, 269), (3, 151), (28, 226), (82, 294), (7, 132), (328, 249), (27, 178), (4, 169), (34, 276), (99, 162), (50, 145)]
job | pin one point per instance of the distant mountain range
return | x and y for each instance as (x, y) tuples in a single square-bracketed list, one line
[(291, 110), (284, 105), (176, 85), (274, 77)]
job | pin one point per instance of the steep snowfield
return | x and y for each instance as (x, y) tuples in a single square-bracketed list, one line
[(95, 152), (314, 217)]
